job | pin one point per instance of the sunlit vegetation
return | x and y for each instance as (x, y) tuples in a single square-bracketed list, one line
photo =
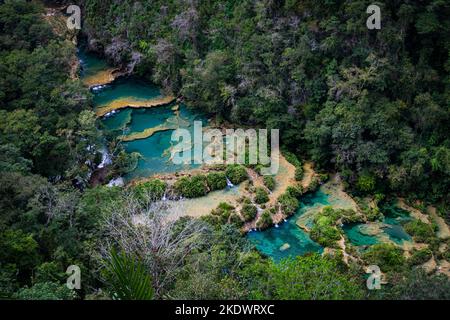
[(236, 173), (261, 195)]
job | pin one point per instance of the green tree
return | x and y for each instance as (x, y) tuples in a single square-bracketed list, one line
[(127, 277)]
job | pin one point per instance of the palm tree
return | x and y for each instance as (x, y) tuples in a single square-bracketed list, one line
[(127, 277)]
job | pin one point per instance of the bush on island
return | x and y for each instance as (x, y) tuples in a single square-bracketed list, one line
[(288, 203), (153, 189), (248, 212), (298, 176), (261, 195), (269, 182), (236, 173), (223, 212), (295, 190), (420, 231), (265, 220), (216, 181), (324, 230), (192, 187), (387, 256), (419, 256)]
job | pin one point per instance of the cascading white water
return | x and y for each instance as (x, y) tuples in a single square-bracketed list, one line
[(106, 159), (229, 184)]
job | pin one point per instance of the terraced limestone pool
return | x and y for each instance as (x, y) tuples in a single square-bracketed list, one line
[(290, 238), (388, 230), (146, 131)]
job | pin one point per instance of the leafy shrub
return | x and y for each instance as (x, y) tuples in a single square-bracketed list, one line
[(324, 230), (373, 214), (366, 183), (249, 212), (314, 184), (45, 291), (292, 158), (298, 175), (153, 189), (325, 235), (236, 220), (223, 212), (192, 187), (350, 216), (125, 162), (387, 256), (323, 177), (265, 220), (295, 191), (216, 180), (236, 173), (288, 203), (420, 231), (269, 182), (261, 195), (420, 257)]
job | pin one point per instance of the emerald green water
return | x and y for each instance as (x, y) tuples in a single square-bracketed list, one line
[(90, 63), (356, 233), (270, 241), (129, 87), (119, 121), (394, 217), (390, 227), (154, 151)]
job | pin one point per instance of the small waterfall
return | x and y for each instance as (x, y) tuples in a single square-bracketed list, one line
[(276, 225), (229, 184), (98, 88), (106, 159), (110, 113), (164, 198)]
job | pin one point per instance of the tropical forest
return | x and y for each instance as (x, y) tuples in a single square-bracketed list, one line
[(94, 95)]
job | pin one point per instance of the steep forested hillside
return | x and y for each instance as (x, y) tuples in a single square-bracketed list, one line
[(47, 146)]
